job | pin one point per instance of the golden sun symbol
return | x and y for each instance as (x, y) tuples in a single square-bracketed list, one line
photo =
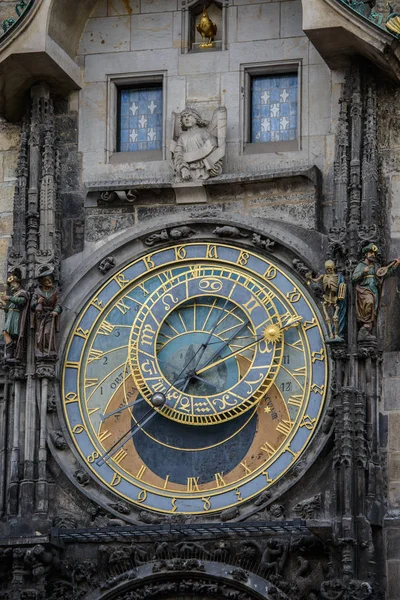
[(272, 333)]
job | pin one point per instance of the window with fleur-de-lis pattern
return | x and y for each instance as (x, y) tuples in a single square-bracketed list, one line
[(140, 119), (274, 108)]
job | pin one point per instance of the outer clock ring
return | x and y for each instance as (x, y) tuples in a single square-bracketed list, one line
[(278, 457)]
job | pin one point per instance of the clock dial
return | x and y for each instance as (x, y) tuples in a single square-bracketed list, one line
[(207, 353), (234, 347)]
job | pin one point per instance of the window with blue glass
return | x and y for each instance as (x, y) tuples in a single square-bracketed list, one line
[(274, 108), (140, 118)]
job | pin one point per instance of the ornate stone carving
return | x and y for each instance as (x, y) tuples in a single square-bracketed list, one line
[(239, 574), (274, 557), (121, 195), (121, 507), (230, 513), (178, 564), (82, 477), (263, 242), (197, 587), (44, 370), (65, 521), (309, 508), (227, 231), (15, 305), (150, 518), (106, 264), (345, 589), (47, 308), (334, 300), (51, 404), (276, 511), (262, 498), (176, 233), (58, 440), (368, 278), (198, 146)]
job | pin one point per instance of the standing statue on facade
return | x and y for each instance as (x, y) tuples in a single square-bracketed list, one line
[(198, 146), (334, 301), (368, 277), (15, 306), (47, 309)]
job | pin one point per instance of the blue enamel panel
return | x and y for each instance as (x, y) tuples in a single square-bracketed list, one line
[(140, 119), (75, 349), (274, 109), (71, 381)]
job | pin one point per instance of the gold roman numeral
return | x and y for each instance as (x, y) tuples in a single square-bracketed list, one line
[(295, 401), (94, 355), (193, 484), (104, 435), (123, 308), (141, 472), (119, 456), (219, 480), (245, 467), (284, 427), (106, 328), (270, 450)]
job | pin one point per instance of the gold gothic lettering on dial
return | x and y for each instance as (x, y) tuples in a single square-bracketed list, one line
[(194, 335)]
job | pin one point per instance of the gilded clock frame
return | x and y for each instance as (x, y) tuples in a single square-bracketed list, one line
[(297, 288)]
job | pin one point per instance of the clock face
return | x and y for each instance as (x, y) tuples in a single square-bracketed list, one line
[(194, 378)]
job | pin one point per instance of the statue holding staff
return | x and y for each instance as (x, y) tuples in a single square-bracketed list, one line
[(47, 309)]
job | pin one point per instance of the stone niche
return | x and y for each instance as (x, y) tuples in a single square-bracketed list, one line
[(192, 13)]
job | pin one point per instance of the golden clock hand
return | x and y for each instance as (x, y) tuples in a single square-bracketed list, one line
[(114, 412), (157, 400), (204, 346), (217, 352), (291, 322), (177, 380), (221, 360)]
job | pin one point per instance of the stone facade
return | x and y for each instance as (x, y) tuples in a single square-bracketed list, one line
[(329, 529)]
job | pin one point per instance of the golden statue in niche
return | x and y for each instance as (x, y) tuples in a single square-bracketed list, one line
[(207, 29)]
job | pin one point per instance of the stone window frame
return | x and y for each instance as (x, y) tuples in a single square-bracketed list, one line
[(249, 70), (114, 82)]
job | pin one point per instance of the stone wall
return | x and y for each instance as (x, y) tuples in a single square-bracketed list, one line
[(9, 147), (128, 37), (389, 154)]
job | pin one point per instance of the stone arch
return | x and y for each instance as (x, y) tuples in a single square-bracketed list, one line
[(193, 579), (65, 26)]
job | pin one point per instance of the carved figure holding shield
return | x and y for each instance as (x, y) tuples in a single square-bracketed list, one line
[(198, 146), (368, 277), (15, 306), (47, 309)]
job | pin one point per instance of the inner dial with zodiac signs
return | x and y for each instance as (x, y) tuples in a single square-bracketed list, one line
[(194, 378)]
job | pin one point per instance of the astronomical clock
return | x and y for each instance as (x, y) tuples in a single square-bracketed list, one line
[(194, 378)]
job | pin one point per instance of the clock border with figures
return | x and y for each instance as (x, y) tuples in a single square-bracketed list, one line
[(255, 270)]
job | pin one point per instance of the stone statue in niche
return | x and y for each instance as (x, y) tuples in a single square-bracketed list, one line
[(334, 302), (46, 307), (368, 278), (198, 146), (15, 306)]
